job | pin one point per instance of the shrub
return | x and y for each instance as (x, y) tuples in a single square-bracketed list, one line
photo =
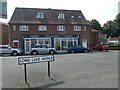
[(114, 45)]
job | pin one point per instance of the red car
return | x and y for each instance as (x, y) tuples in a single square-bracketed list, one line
[(101, 47)]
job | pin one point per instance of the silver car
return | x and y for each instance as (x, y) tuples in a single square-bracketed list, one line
[(6, 49), (42, 49)]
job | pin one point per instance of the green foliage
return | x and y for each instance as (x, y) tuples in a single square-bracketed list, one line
[(112, 28), (117, 22), (95, 24), (114, 45), (109, 28)]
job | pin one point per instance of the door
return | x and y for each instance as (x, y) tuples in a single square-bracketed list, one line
[(84, 43), (27, 46)]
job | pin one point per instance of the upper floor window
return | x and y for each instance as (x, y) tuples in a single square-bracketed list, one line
[(61, 16), (42, 28), (60, 28), (14, 27), (23, 28), (77, 28), (40, 15), (85, 28)]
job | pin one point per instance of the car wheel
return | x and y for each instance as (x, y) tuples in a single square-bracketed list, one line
[(72, 51), (107, 50), (15, 53), (34, 52), (51, 52), (86, 51), (94, 49)]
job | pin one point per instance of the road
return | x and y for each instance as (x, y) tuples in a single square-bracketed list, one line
[(81, 70)]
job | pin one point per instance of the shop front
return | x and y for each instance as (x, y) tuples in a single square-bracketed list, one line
[(60, 42)]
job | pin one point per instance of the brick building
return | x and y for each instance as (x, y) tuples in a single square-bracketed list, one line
[(98, 37), (53, 27), (4, 36)]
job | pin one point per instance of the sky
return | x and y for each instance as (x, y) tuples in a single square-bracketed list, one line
[(101, 10)]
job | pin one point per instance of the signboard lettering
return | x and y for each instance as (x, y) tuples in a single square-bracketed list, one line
[(29, 60)]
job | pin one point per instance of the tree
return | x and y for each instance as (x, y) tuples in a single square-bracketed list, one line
[(95, 24), (109, 28), (117, 23), (112, 28)]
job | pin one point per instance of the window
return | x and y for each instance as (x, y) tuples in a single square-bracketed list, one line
[(15, 43), (14, 27), (23, 27), (42, 28), (60, 28), (79, 16), (77, 28), (61, 16), (40, 15), (72, 17), (85, 28), (99, 35)]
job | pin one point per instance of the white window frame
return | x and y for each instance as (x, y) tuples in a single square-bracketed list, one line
[(79, 16), (42, 28), (99, 35), (14, 28), (15, 41), (61, 16), (77, 28), (85, 28), (72, 17), (23, 27), (60, 28), (40, 15)]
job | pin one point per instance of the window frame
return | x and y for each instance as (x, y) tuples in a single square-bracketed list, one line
[(14, 28), (23, 27), (85, 28), (42, 27), (77, 28), (40, 15), (60, 27), (61, 16)]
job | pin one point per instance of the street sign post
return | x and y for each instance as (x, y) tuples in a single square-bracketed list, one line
[(30, 60)]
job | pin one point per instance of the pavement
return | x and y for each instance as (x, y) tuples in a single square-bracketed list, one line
[(82, 70)]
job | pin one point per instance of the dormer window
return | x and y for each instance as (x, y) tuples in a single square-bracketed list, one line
[(72, 17), (40, 15), (61, 16), (79, 16)]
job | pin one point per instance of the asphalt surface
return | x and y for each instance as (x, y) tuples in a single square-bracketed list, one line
[(81, 70)]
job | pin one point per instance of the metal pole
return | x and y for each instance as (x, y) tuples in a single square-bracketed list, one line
[(25, 73), (48, 68)]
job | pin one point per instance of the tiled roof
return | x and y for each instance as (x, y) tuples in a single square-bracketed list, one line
[(29, 16)]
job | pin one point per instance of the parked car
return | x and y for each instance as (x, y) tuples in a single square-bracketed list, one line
[(6, 49), (77, 49), (101, 47), (42, 49)]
